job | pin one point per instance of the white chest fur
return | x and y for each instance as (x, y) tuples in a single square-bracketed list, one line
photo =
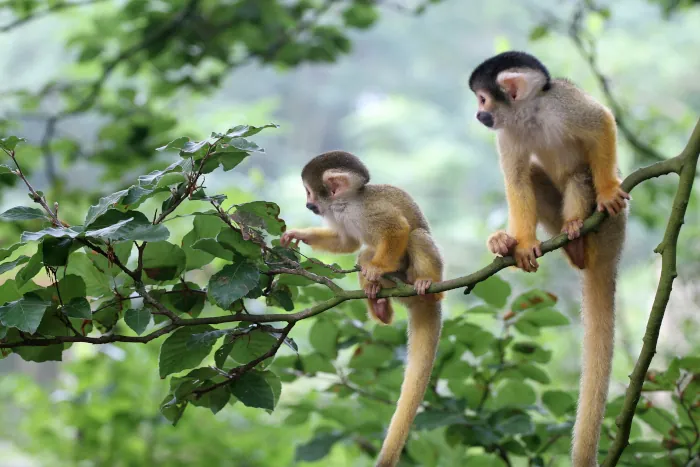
[(347, 217)]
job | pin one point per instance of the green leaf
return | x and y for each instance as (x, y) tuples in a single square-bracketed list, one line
[(129, 226), (7, 252), (32, 268), (22, 213), (324, 337), (9, 143), (234, 281), (163, 261), (514, 394), (57, 250), (538, 32), (559, 403), (174, 354), (96, 283), (204, 226), (371, 356), (533, 299), (233, 240), (137, 320), (247, 130), (214, 400), (494, 291), (533, 372), (10, 265), (546, 317), (49, 232), (49, 353), (251, 346), (254, 390), (317, 448), (185, 298), (260, 214), (122, 251), (24, 314), (213, 248), (102, 206), (222, 353), (176, 144), (78, 307), (281, 296), (153, 178)]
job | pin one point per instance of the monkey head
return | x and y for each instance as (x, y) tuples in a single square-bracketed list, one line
[(503, 83), (331, 177)]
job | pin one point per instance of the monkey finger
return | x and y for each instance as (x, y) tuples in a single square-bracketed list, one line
[(538, 251), (625, 195)]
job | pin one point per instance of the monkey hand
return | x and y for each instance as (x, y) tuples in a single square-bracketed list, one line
[(372, 289), (612, 200), (526, 254), (373, 273), (572, 228), (294, 236), (501, 244)]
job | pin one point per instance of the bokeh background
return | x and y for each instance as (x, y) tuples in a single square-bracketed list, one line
[(96, 86)]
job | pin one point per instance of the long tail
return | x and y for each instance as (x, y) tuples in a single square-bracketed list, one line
[(599, 334), (423, 338)]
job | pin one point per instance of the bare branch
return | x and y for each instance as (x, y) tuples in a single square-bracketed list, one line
[(667, 249)]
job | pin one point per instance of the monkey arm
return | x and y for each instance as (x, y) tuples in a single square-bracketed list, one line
[(325, 239), (602, 158), (520, 195)]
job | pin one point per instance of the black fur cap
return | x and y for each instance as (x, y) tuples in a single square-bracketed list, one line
[(484, 75), (314, 169)]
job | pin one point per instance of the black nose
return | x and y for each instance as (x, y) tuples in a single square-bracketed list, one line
[(312, 207), (485, 117)]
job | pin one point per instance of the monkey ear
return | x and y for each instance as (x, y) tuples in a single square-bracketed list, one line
[(519, 85), (341, 181)]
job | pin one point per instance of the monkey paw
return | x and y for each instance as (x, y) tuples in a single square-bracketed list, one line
[(422, 285), (526, 256), (572, 228), (293, 236), (612, 200), (372, 289), (500, 243), (372, 273)]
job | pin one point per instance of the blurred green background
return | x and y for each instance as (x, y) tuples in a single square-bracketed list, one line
[(96, 86)]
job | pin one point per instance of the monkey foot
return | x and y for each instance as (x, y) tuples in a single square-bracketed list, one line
[(372, 289), (526, 256), (500, 243), (422, 285), (381, 310), (572, 228), (613, 202)]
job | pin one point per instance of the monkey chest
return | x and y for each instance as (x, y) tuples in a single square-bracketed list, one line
[(350, 223), (559, 162)]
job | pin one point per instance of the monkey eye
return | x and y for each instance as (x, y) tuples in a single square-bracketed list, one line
[(482, 100)]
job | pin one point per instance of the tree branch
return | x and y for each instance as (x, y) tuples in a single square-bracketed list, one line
[(53, 9), (667, 248), (677, 164)]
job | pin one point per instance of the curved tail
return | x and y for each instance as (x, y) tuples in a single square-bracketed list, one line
[(599, 334), (423, 337)]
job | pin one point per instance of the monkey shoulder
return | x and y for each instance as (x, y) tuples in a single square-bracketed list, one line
[(391, 201), (575, 106)]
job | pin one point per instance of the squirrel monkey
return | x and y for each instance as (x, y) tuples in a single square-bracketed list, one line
[(557, 148), (396, 239)]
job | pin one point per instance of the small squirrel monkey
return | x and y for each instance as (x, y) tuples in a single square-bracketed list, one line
[(557, 148), (397, 239)]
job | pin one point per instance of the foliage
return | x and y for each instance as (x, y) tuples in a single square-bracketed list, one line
[(120, 271)]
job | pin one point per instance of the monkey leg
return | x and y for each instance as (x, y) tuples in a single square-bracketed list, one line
[(378, 308), (424, 262), (578, 203)]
